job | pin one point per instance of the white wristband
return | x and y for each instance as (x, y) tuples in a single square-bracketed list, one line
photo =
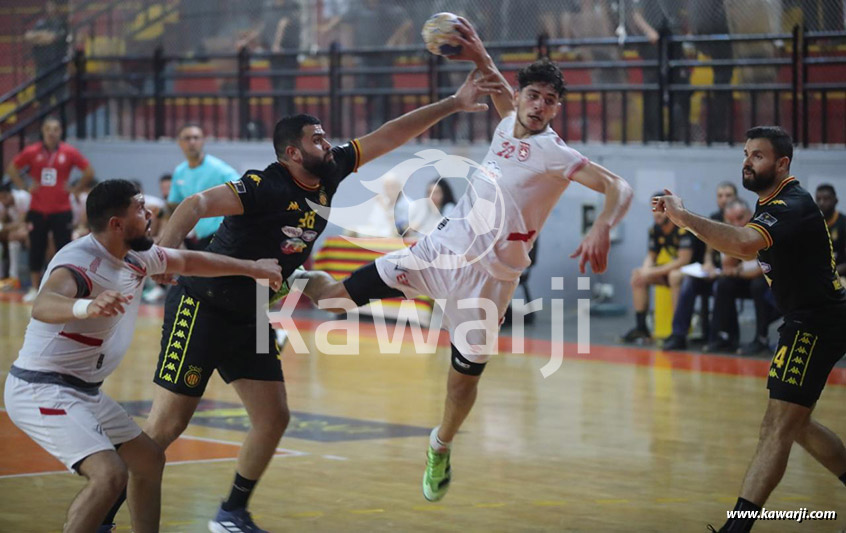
[(80, 308)]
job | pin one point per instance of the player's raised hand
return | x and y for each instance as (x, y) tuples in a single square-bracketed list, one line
[(268, 271), (594, 249), (670, 204), (475, 87), (472, 48), (108, 303)]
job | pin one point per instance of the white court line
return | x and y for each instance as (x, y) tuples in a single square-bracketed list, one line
[(32, 474), (292, 453), (281, 452)]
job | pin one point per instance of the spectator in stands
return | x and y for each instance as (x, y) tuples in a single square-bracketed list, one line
[(650, 18), (377, 23), (709, 17), (14, 205), (693, 287), (200, 171), (49, 163), (670, 248), (165, 181), (329, 23), (737, 280), (827, 202), (49, 40), (285, 37), (594, 19), (425, 216)]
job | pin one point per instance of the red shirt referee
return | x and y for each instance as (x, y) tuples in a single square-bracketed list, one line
[(49, 164)]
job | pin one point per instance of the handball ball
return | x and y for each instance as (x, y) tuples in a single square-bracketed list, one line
[(439, 34)]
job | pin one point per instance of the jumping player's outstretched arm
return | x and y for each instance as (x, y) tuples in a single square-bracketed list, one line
[(400, 130), (205, 264), (618, 197), (741, 242), (472, 49)]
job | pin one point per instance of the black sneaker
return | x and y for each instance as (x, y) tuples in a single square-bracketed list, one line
[(636, 335), (755, 347), (674, 342), (721, 346)]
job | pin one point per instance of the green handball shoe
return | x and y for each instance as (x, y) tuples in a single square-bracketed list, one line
[(437, 476)]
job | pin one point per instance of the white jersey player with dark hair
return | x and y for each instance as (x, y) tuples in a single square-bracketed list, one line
[(526, 170), (83, 319)]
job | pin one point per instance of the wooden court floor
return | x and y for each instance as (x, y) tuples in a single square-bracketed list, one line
[(622, 439)]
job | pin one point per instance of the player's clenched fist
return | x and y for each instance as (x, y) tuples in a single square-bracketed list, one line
[(107, 303), (269, 269)]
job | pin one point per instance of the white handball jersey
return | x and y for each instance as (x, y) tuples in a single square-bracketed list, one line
[(91, 349), (498, 219)]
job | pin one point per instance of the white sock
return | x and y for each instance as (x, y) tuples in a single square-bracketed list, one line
[(436, 443)]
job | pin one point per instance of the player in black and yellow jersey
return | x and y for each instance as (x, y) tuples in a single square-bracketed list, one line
[(670, 248), (211, 325), (826, 198), (791, 240)]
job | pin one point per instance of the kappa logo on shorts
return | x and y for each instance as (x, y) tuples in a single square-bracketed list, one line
[(767, 219), (174, 353), (193, 376)]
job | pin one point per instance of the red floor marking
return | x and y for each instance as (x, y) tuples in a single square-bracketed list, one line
[(21, 455)]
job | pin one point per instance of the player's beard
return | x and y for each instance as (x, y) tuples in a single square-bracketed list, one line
[(757, 182), (322, 167), (142, 243)]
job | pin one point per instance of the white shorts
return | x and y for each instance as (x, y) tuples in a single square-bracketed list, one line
[(68, 423), (474, 303)]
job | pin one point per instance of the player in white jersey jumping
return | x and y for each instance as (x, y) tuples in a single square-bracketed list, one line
[(527, 168), (82, 323)]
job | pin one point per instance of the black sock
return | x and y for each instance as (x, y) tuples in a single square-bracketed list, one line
[(110, 518), (241, 490), (741, 525), (640, 320), (842, 478)]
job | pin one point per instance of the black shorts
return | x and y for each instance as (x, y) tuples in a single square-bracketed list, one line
[(198, 339), (807, 351)]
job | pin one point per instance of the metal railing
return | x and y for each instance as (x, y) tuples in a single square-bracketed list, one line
[(643, 95)]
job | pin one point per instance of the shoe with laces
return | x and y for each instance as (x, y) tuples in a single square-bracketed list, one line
[(235, 521), (437, 476)]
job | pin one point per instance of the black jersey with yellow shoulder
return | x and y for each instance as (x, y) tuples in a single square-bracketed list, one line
[(677, 239), (277, 222), (837, 230), (798, 260)]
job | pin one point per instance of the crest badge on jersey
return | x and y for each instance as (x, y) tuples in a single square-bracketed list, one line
[(322, 198), (524, 152), (291, 231), (240, 188), (293, 246), (767, 219)]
